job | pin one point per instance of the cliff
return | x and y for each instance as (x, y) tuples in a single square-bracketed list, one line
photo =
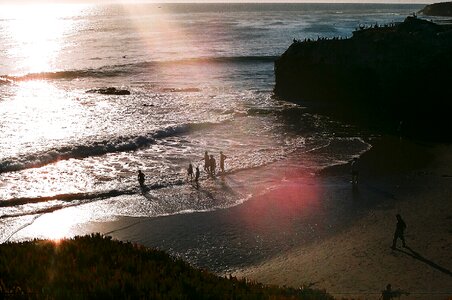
[(442, 9), (378, 77)]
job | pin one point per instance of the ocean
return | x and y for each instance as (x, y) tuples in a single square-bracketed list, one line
[(200, 78)]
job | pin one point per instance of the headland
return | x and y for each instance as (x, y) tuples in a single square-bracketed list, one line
[(441, 9), (391, 77)]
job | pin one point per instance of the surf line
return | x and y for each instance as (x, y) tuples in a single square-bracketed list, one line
[(22, 227), (66, 197)]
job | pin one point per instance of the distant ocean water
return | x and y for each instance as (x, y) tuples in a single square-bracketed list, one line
[(200, 77)]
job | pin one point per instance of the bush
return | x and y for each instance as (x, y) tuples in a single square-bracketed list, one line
[(98, 267)]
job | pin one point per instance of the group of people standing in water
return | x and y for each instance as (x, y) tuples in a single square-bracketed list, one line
[(210, 166)]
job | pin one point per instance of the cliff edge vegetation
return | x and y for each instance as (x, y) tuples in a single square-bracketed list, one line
[(394, 77), (97, 267)]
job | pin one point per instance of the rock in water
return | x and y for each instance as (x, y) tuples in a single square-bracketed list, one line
[(109, 91)]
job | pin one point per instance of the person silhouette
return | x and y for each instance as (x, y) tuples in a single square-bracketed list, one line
[(399, 129), (399, 232), (222, 158), (141, 178), (387, 293), (206, 162), (355, 171), (190, 172), (197, 176), (213, 165)]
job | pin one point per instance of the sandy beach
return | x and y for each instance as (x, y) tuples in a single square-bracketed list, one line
[(318, 230), (358, 262)]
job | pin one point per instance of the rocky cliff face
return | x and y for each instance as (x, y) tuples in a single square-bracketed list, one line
[(380, 76), (443, 9)]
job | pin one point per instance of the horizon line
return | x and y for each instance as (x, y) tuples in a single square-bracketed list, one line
[(19, 2)]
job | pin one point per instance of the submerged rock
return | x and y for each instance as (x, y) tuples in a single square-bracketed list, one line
[(381, 76), (442, 9), (109, 91)]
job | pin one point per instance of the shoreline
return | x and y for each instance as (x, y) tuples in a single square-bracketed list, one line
[(358, 262), (285, 235)]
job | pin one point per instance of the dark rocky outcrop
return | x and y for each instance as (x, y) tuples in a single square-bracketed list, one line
[(378, 77), (109, 91), (442, 9)]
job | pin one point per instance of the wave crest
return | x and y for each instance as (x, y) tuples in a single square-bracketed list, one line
[(125, 69), (96, 148), (68, 75)]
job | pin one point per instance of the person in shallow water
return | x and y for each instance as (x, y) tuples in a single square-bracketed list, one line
[(399, 232), (190, 172), (141, 178), (197, 176), (213, 165), (206, 162), (222, 158)]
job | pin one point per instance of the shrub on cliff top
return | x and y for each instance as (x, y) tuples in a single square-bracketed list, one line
[(99, 267)]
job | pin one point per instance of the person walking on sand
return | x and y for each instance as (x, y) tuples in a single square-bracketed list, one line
[(213, 165), (399, 232), (141, 178), (190, 172), (387, 293), (222, 158), (355, 171)]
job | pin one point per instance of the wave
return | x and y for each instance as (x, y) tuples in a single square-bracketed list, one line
[(96, 148), (108, 71), (75, 199), (127, 69), (65, 197)]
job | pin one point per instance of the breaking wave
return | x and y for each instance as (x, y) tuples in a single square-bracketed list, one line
[(126, 69), (95, 148), (65, 198)]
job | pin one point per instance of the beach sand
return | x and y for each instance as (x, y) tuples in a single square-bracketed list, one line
[(358, 262), (318, 230)]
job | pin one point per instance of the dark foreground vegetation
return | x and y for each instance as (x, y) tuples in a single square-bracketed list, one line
[(97, 267)]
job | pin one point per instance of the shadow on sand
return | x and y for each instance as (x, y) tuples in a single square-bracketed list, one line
[(419, 257)]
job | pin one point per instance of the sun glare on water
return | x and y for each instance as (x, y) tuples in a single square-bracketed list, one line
[(36, 33), (55, 226), (37, 113)]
